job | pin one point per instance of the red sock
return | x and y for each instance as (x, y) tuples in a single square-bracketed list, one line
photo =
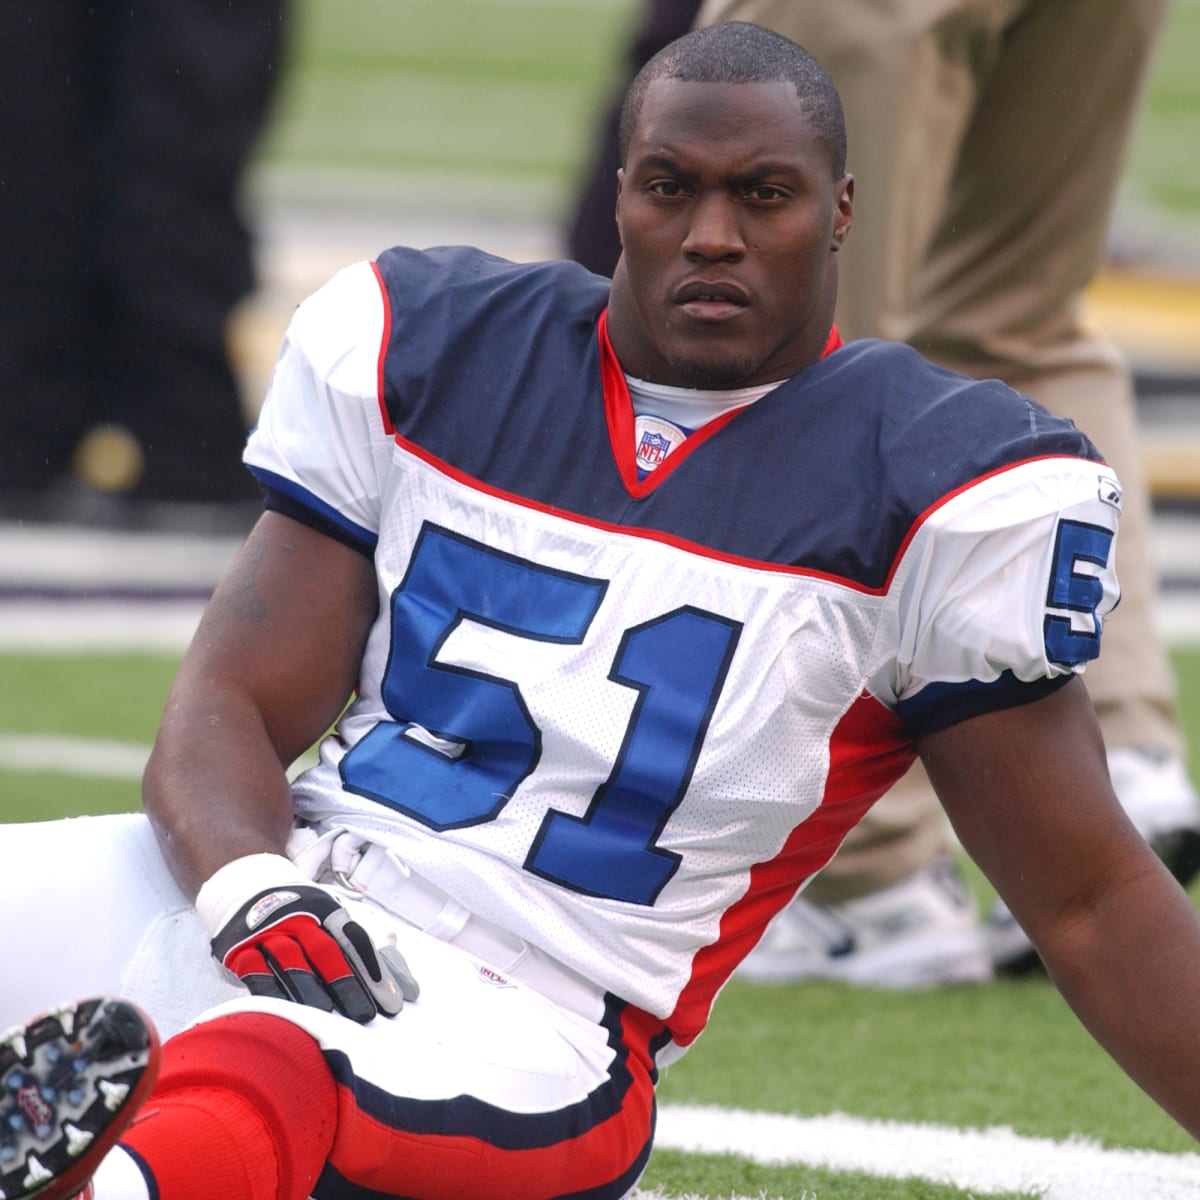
[(244, 1108)]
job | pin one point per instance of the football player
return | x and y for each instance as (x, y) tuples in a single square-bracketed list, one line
[(605, 720)]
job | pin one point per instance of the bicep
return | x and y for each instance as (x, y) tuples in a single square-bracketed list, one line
[(285, 631)]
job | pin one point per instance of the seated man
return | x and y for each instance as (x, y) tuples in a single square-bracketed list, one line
[(644, 594)]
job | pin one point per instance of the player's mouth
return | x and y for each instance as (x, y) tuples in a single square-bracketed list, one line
[(711, 300)]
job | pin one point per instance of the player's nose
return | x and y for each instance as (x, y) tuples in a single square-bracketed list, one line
[(714, 229)]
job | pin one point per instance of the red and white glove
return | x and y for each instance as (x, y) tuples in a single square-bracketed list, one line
[(284, 936)]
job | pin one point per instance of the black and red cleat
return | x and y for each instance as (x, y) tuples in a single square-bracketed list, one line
[(71, 1081)]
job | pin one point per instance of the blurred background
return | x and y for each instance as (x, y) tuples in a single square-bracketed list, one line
[(423, 122), (433, 121), (446, 121), (192, 171), (443, 121)]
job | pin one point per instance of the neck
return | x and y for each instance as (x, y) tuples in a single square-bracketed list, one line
[(640, 357)]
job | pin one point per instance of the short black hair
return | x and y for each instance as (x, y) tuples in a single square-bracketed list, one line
[(740, 52)]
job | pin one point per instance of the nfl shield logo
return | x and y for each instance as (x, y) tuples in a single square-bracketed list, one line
[(653, 447), (654, 439)]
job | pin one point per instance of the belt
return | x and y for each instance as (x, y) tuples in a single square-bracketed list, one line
[(366, 868)]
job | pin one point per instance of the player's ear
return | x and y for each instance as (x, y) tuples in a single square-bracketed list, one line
[(843, 210), (620, 185)]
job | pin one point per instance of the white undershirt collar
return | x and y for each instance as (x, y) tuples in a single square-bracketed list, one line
[(690, 408)]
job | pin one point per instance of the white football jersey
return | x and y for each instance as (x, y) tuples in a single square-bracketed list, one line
[(626, 718)]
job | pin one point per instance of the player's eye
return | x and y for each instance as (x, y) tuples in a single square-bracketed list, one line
[(764, 193), (665, 187)]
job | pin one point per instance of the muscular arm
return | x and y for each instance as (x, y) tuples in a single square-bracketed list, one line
[(1028, 793), (273, 662)]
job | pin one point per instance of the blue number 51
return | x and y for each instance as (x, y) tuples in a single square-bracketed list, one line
[(461, 741)]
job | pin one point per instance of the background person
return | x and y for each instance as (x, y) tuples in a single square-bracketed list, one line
[(606, 719), (591, 234), (123, 252), (988, 145), (989, 140)]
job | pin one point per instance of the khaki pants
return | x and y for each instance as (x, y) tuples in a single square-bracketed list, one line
[(987, 139)]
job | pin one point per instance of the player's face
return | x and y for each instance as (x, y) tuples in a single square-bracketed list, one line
[(729, 217)]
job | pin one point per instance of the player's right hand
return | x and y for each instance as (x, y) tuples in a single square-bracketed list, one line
[(293, 940)]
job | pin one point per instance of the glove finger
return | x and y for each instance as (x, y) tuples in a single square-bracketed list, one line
[(380, 983), (397, 964), (293, 972), (251, 967), (329, 962), (353, 1000)]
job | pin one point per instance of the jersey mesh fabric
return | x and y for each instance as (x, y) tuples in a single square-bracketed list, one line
[(650, 689)]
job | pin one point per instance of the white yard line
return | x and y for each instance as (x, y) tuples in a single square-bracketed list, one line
[(91, 758), (991, 1160), (70, 589), (1179, 620), (69, 625), (73, 558), (156, 625), (979, 1161), (94, 758)]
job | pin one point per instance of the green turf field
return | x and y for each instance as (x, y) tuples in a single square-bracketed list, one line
[(489, 106), (476, 105), (492, 104), (1164, 167), (1008, 1054)]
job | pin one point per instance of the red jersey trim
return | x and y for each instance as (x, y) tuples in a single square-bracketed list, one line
[(618, 412), (366, 1150), (384, 342), (942, 501), (668, 539), (619, 417), (868, 751), (653, 535)]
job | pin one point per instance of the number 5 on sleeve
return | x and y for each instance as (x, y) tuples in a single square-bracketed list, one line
[(1076, 592)]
